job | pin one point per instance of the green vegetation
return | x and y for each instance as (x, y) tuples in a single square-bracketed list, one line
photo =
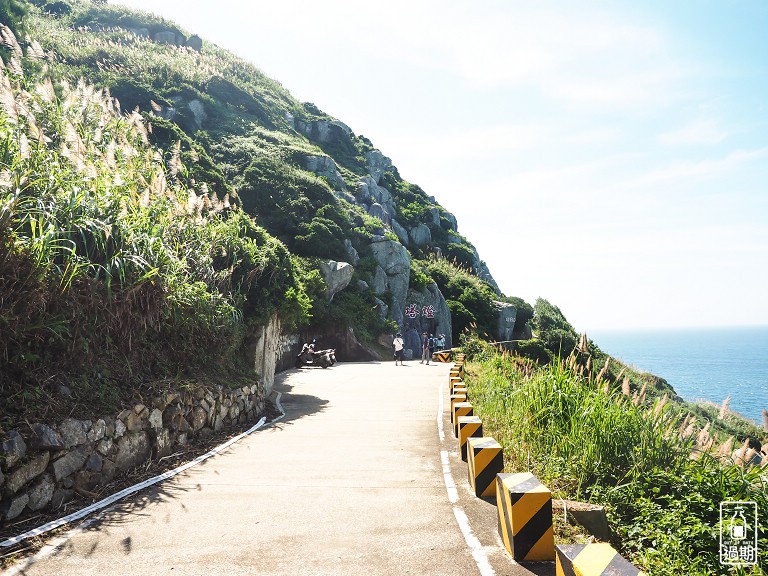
[(551, 327), (660, 473), (470, 299), (12, 14), (114, 272), (156, 207), (252, 141), (555, 337)]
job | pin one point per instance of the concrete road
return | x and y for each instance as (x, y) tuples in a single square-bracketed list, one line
[(349, 482)]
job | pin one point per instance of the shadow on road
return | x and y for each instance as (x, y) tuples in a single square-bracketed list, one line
[(296, 406)]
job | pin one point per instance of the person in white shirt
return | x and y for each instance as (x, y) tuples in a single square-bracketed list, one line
[(399, 347)]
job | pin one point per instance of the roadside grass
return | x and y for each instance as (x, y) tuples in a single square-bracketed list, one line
[(113, 271), (660, 475)]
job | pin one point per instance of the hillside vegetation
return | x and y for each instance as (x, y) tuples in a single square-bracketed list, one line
[(161, 199), (112, 269), (660, 469)]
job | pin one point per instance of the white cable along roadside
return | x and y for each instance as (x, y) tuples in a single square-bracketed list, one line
[(101, 504)]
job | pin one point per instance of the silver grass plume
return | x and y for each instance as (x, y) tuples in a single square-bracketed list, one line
[(8, 98), (724, 408), (174, 163)]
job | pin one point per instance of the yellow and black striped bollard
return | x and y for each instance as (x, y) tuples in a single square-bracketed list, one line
[(459, 388), (469, 427), (596, 559), (459, 409), (441, 356), (525, 517), (455, 398), (485, 460)]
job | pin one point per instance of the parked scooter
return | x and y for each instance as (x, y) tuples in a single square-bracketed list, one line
[(331, 353), (311, 357)]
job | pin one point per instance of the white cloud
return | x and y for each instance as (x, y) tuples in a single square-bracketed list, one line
[(702, 131), (709, 168)]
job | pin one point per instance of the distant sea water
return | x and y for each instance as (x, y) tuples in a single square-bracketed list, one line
[(700, 363)]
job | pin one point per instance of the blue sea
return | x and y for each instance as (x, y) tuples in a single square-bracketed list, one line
[(700, 363)]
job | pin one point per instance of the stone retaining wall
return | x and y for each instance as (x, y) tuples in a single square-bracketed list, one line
[(43, 466)]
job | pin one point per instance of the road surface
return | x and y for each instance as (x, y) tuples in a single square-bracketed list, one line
[(350, 481)]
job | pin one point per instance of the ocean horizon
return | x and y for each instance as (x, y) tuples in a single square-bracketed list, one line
[(701, 364)]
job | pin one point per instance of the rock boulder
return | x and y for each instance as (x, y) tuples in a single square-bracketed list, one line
[(395, 262), (71, 462), (325, 166), (27, 473), (377, 164), (41, 493), (433, 317), (198, 112), (73, 432), (505, 325), (132, 449), (45, 438), (400, 232), (195, 42), (165, 37), (420, 235), (337, 276), (14, 448)]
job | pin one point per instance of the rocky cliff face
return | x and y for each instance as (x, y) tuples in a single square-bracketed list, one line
[(376, 199), (427, 312)]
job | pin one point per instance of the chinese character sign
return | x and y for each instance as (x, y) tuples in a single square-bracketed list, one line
[(412, 311), (428, 311)]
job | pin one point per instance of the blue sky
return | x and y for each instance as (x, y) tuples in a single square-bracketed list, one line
[(611, 157)]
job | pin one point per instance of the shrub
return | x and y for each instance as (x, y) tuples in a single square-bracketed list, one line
[(113, 270), (476, 298), (418, 280), (553, 329)]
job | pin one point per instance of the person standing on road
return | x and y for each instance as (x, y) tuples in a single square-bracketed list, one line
[(431, 345), (399, 346), (440, 342), (425, 348)]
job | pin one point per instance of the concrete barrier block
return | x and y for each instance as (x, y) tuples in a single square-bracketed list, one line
[(525, 517), (596, 559), (460, 409), (469, 427), (485, 460), (442, 356), (459, 388), (454, 399)]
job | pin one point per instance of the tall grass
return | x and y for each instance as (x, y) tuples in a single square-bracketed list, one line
[(659, 473), (112, 270)]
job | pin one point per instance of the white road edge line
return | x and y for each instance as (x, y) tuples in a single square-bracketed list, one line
[(475, 547), (101, 504)]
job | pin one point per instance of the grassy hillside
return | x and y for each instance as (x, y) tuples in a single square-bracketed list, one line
[(160, 198), (114, 270), (659, 467), (251, 135)]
